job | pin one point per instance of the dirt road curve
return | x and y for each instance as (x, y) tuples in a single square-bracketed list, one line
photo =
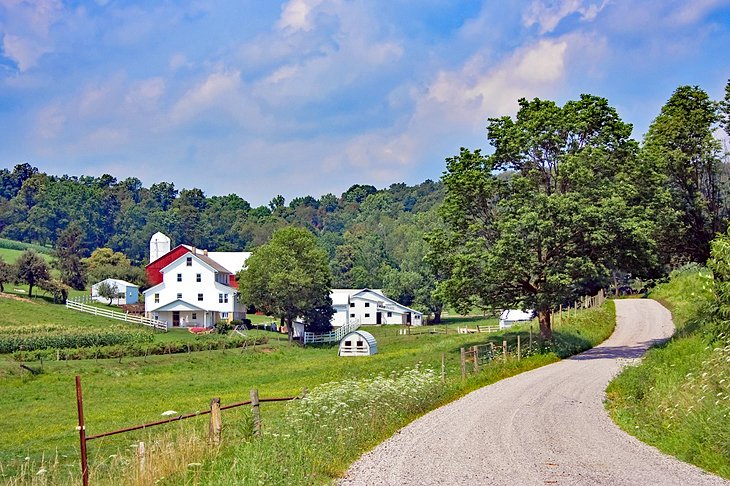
[(547, 426)]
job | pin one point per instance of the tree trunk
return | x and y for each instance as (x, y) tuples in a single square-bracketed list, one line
[(30, 290), (546, 331), (437, 317), (290, 329)]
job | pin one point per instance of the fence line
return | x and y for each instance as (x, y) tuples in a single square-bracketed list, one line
[(214, 429), (120, 316), (332, 336)]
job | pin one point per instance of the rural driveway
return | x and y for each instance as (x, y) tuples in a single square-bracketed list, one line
[(546, 426)]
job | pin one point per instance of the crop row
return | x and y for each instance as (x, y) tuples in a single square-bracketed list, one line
[(10, 344), (137, 349)]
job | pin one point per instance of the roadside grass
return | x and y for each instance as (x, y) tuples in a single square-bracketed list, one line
[(381, 394), (678, 398)]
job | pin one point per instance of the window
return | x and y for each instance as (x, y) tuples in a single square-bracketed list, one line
[(156, 316), (352, 304), (179, 296), (195, 315), (367, 315), (197, 277), (179, 277), (200, 297), (220, 298), (367, 304), (224, 315), (348, 344), (352, 315), (225, 298), (390, 314), (189, 262), (360, 344), (157, 298)]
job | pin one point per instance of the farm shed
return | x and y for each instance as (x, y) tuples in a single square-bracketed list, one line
[(511, 316), (128, 293), (358, 343)]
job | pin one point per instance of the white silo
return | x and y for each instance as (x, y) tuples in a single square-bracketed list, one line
[(159, 246)]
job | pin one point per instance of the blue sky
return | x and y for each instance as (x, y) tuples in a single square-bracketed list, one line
[(301, 97)]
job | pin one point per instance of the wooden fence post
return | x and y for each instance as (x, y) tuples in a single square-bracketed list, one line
[(463, 364), (82, 432), (256, 412), (214, 430), (560, 314), (519, 348), (504, 349), (531, 337), (475, 351), (141, 454)]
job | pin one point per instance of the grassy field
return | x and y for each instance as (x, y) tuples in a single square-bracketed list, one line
[(678, 399), (39, 412)]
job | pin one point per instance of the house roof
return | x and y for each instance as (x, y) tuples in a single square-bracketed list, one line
[(206, 260), (341, 296), (234, 261), (117, 282), (177, 305)]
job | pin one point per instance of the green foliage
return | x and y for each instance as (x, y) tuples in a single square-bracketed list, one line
[(223, 327), (678, 398), (556, 223), (288, 277), (67, 255), (31, 269), (105, 263), (6, 274), (681, 144), (108, 291), (65, 340), (19, 245)]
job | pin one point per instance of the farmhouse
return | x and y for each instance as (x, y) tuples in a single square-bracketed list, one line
[(192, 287), (370, 306), (128, 293)]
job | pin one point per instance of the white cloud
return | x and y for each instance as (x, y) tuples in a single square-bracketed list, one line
[(218, 90), (297, 15), (25, 29), (548, 14)]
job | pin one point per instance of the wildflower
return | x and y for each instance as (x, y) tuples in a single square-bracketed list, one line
[(167, 413)]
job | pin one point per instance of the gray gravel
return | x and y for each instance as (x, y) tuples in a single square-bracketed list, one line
[(546, 426)]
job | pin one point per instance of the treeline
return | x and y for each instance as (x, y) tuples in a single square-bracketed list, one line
[(370, 235)]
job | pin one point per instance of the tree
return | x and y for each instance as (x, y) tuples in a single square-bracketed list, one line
[(681, 144), (108, 291), (31, 269), (6, 274), (288, 277), (547, 215), (67, 253)]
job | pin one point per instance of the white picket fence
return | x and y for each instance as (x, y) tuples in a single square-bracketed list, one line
[(120, 316), (332, 336)]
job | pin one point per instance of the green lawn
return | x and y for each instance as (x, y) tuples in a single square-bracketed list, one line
[(10, 255), (39, 412)]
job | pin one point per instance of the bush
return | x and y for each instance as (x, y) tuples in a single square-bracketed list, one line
[(222, 327)]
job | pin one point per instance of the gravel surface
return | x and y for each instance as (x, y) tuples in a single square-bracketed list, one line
[(546, 426)]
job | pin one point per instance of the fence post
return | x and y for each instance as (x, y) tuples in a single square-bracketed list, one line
[(463, 364), (519, 348), (141, 454), (504, 349), (443, 367), (560, 314), (255, 411), (531, 337), (82, 432), (214, 430), (475, 351)]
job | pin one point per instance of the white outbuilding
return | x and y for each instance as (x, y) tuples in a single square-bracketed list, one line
[(512, 316), (127, 293), (358, 343)]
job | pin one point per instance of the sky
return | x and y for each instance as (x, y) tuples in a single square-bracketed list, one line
[(308, 97)]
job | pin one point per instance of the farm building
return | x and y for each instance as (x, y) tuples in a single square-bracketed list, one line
[(358, 343), (512, 316), (370, 306), (128, 292), (192, 287)]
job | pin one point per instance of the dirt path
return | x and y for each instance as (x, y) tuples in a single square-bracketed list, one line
[(546, 426)]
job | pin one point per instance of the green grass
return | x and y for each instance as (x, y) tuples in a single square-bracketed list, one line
[(39, 412), (21, 246), (678, 399), (10, 255)]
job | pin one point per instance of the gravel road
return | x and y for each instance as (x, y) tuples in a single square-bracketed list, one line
[(546, 426)]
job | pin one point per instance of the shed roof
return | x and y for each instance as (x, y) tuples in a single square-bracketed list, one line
[(118, 282), (369, 338)]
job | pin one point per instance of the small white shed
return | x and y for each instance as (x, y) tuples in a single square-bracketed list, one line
[(358, 343), (128, 292), (511, 316)]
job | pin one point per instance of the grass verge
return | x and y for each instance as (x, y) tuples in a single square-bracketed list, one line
[(678, 398)]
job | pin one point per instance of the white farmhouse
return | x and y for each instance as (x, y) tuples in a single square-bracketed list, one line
[(194, 288), (370, 306)]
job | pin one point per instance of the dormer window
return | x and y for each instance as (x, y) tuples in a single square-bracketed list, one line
[(189, 261)]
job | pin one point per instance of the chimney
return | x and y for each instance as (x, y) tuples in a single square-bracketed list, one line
[(205, 252), (195, 251)]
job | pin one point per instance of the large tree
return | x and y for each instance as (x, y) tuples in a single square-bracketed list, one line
[(289, 277), (681, 144), (31, 269), (549, 214), (6, 274), (67, 253)]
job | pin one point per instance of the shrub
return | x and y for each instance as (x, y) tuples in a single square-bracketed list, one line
[(222, 327)]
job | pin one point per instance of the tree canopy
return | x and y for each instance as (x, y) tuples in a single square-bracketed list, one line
[(289, 277), (31, 269)]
